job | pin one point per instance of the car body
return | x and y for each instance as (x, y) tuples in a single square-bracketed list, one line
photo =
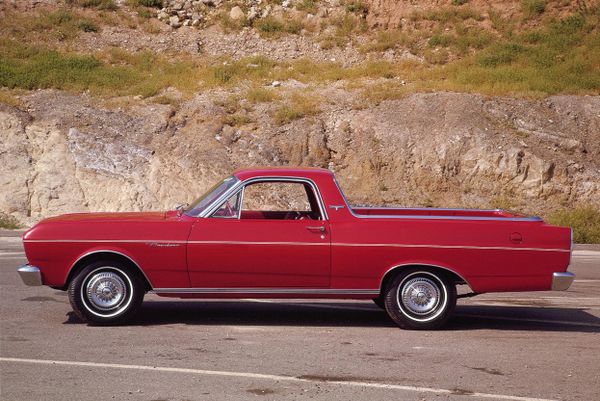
[(223, 247)]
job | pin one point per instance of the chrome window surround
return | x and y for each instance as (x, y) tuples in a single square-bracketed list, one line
[(239, 211), (237, 181), (421, 217), (242, 184)]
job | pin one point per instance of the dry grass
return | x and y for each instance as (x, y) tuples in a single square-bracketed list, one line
[(392, 39), (558, 56), (344, 28), (236, 119), (8, 222), (9, 97), (584, 220), (260, 95), (114, 73), (297, 106), (271, 27), (447, 15)]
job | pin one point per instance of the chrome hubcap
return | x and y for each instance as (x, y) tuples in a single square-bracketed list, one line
[(420, 295), (106, 290)]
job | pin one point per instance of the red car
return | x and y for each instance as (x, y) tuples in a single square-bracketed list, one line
[(289, 233)]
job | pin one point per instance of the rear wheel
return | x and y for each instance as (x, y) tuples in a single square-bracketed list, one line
[(106, 293), (420, 299)]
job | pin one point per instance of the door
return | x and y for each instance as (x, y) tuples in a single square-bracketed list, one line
[(271, 234)]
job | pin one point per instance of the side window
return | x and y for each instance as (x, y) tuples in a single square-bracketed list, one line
[(230, 209), (280, 201)]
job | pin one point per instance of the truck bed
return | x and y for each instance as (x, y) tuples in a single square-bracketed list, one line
[(395, 211)]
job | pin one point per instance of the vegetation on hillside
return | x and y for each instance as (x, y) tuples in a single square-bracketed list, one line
[(8, 222), (555, 55), (584, 220)]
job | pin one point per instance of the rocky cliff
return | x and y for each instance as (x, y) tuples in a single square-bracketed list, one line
[(63, 153)]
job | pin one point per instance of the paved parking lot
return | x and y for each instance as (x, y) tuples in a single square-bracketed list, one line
[(524, 346)]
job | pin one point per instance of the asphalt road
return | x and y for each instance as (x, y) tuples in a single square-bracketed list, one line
[(518, 346)]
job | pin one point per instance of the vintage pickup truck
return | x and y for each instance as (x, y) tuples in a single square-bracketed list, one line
[(290, 233)]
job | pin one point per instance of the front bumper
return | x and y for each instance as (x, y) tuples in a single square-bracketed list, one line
[(562, 281), (30, 275)]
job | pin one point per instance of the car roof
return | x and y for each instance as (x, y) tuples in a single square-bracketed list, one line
[(308, 172)]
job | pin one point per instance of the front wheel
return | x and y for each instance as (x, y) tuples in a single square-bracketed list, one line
[(106, 293), (420, 299)]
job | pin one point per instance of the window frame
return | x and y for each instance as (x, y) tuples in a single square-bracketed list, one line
[(235, 192)]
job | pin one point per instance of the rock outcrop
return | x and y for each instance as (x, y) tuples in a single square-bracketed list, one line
[(65, 153)]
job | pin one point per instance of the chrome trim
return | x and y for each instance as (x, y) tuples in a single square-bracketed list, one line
[(238, 290), (420, 265), (146, 241), (259, 243), (220, 199), (163, 244), (240, 185), (446, 209), (420, 217), (503, 248), (30, 275), (174, 243), (116, 253), (336, 207), (561, 281)]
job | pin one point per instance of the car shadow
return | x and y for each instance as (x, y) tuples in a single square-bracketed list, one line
[(353, 314)]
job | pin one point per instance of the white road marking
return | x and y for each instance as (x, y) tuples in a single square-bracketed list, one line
[(269, 377), (586, 253), (5, 253), (10, 239)]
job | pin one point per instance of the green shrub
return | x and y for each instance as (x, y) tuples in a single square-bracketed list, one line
[(459, 2), (436, 56), (88, 26), (443, 40), (294, 27), (124, 73), (446, 15), (499, 54), (299, 106), (585, 222), (99, 4), (269, 26), (533, 8), (310, 6), (145, 13), (8, 222), (260, 95), (357, 7), (151, 3)]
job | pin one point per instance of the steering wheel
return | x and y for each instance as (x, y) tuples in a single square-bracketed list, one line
[(292, 215), (228, 209)]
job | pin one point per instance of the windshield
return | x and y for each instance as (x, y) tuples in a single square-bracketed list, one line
[(200, 204)]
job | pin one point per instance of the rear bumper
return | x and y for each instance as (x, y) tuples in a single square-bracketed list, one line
[(562, 281), (30, 275)]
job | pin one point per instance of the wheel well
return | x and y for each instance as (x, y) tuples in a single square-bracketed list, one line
[(449, 274), (105, 255)]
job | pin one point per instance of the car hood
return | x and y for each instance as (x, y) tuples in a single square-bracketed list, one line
[(95, 217)]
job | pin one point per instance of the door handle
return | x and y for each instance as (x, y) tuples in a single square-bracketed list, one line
[(316, 229)]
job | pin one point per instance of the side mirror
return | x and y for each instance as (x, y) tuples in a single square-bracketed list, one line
[(180, 207)]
